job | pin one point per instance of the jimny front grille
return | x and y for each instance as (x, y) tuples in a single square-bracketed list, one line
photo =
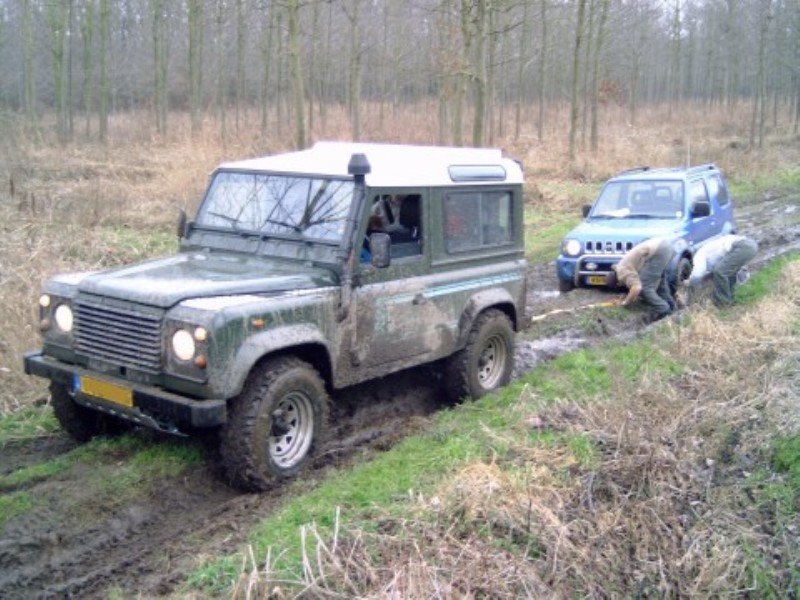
[(608, 247)]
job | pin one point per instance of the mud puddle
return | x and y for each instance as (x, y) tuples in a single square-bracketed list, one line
[(78, 546)]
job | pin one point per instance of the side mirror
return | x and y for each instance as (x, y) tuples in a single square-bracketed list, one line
[(700, 209), (586, 209), (184, 225), (380, 246)]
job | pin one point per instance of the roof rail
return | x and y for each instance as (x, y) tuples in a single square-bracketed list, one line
[(633, 170), (698, 168)]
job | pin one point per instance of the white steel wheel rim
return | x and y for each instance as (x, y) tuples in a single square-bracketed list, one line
[(290, 448), (492, 362)]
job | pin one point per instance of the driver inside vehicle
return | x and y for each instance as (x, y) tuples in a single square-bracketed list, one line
[(374, 225)]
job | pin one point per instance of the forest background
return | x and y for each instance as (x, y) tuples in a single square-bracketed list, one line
[(481, 70)]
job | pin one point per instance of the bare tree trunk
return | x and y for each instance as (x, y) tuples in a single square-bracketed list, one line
[(57, 17), (69, 99), (674, 90), (87, 35), (595, 75), (521, 64), (354, 87), (240, 44), (103, 99), (298, 99), (542, 74), (312, 67), (757, 121), (573, 112), (160, 64), (221, 95), (586, 71), (479, 75), (29, 63), (732, 44), (266, 57), (633, 101), (195, 9), (325, 80)]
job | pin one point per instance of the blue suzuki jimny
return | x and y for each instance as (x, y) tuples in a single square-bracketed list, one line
[(687, 205)]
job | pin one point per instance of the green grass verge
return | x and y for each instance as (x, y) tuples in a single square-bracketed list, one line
[(13, 505), (120, 468), (480, 430), (747, 189), (26, 424), (544, 232), (763, 282)]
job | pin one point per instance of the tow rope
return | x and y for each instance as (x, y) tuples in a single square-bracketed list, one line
[(606, 304)]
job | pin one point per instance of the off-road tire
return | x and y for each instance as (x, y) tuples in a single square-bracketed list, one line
[(486, 361), (81, 423), (565, 286), (682, 271), (251, 449)]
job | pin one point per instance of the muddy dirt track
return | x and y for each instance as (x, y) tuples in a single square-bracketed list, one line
[(147, 546)]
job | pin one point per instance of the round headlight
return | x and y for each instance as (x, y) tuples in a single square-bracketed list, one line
[(572, 247), (44, 300), (183, 344), (64, 318)]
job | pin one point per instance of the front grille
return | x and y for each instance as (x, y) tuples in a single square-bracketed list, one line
[(120, 335), (608, 247)]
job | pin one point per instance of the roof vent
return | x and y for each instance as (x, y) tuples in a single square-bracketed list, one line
[(460, 173)]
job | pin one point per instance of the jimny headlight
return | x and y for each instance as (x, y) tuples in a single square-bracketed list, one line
[(571, 247), (64, 318), (183, 345)]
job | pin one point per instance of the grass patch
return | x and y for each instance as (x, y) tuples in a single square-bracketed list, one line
[(37, 472), (746, 189), (27, 424), (13, 505), (786, 460), (134, 459), (544, 232), (763, 282)]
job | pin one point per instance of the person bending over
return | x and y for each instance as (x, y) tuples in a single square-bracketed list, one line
[(722, 258), (643, 270)]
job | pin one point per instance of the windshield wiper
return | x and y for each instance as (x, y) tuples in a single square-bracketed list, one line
[(646, 216)]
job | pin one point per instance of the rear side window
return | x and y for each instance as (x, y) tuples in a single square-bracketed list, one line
[(717, 190), (477, 219)]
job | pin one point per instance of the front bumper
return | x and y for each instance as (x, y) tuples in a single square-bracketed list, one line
[(587, 270), (152, 407)]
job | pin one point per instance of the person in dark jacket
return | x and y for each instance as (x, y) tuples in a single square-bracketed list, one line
[(643, 270)]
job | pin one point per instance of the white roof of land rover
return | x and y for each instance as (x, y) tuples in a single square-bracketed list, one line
[(394, 165)]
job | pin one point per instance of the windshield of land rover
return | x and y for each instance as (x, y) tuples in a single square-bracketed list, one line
[(279, 205), (640, 199)]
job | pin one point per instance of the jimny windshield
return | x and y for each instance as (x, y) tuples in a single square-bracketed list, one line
[(647, 199), (277, 205)]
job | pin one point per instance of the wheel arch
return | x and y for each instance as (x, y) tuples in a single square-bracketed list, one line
[(303, 341), (497, 299)]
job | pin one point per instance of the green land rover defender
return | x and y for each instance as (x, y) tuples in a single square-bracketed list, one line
[(302, 273)]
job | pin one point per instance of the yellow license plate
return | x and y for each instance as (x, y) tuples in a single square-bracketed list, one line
[(107, 391), (596, 279)]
